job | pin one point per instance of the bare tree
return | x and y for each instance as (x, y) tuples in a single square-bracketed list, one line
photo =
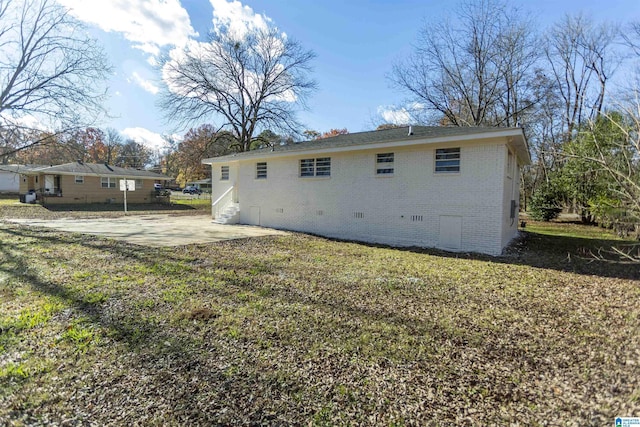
[(474, 70), (49, 71), (544, 129), (624, 166), (133, 154), (113, 141), (51, 149), (632, 37), (250, 83), (582, 60)]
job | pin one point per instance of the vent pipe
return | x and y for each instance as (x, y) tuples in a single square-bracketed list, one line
[(410, 131)]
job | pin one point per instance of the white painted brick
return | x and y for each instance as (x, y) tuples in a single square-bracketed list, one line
[(480, 194)]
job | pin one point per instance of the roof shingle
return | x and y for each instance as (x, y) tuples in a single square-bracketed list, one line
[(362, 139), (94, 169)]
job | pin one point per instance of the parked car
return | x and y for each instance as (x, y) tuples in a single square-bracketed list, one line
[(191, 190)]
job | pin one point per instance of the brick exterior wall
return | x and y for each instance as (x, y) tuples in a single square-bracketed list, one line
[(90, 191), (405, 209)]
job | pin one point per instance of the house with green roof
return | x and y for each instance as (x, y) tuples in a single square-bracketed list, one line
[(80, 182), (451, 188)]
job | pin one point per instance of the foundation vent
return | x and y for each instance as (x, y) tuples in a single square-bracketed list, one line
[(358, 215), (416, 218)]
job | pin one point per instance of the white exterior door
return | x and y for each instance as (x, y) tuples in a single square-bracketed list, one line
[(450, 232), (254, 215), (49, 184)]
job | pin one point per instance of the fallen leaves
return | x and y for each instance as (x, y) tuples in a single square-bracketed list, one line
[(299, 330)]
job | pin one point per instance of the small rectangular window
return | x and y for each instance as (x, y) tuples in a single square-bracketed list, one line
[(139, 184), (79, 179), (315, 167), (323, 166), (384, 163), (224, 173), (447, 160), (307, 167), (106, 182), (261, 170)]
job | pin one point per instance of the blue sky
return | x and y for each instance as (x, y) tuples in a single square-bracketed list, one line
[(356, 42)]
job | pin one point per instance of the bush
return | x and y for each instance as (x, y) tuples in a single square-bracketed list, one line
[(545, 203)]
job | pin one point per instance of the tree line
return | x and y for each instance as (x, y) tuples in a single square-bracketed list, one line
[(92, 145), (572, 87)]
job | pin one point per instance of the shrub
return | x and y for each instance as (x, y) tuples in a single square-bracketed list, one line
[(545, 203)]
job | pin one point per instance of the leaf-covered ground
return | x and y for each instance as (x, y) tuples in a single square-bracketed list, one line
[(300, 330)]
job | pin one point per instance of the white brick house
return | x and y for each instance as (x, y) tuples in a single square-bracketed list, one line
[(450, 188)]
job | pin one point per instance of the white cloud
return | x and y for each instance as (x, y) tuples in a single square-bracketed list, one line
[(143, 136), (143, 83), (32, 122), (400, 115), (27, 122), (236, 17), (148, 24)]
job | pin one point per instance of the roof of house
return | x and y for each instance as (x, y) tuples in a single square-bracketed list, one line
[(404, 136), (20, 168), (93, 169)]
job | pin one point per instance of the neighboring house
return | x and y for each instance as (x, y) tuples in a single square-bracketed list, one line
[(81, 182), (451, 188), (10, 178), (203, 185)]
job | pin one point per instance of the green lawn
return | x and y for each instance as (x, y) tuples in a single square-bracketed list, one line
[(308, 331), (10, 207)]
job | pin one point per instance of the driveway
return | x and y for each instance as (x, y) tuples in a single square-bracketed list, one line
[(155, 230)]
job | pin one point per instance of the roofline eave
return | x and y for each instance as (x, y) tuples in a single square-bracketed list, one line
[(516, 133)]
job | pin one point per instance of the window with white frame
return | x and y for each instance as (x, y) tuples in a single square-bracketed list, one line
[(447, 160), (139, 184), (261, 170), (323, 166), (315, 167), (384, 163), (307, 167), (79, 179), (509, 163), (224, 173), (107, 182)]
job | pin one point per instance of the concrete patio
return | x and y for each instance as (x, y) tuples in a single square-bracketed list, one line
[(154, 230)]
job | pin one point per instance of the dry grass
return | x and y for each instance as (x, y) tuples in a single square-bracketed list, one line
[(303, 330)]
